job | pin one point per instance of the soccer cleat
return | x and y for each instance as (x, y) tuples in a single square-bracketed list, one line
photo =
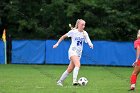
[(132, 87), (75, 83), (59, 83)]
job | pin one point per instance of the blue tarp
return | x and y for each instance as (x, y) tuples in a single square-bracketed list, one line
[(2, 55), (104, 52), (58, 55), (28, 51), (109, 53)]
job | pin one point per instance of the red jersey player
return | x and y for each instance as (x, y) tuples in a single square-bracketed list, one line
[(136, 64)]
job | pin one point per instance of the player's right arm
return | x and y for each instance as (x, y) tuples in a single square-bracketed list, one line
[(137, 47), (137, 53), (58, 42), (69, 34)]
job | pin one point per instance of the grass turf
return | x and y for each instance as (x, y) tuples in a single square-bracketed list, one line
[(16, 78)]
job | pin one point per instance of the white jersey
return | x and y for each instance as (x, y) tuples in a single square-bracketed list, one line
[(77, 40)]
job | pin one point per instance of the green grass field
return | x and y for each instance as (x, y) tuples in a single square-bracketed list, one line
[(16, 78)]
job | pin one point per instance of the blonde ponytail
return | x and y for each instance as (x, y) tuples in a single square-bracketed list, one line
[(76, 25), (70, 26)]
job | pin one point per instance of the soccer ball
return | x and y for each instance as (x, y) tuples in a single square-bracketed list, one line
[(82, 81)]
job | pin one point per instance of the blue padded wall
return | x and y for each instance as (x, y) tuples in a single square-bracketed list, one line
[(28, 51), (2, 54), (104, 53)]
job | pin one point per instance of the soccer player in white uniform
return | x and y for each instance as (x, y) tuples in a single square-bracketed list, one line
[(78, 36)]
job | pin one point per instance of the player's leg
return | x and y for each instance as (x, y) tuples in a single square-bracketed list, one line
[(76, 62), (65, 74), (70, 67), (133, 77)]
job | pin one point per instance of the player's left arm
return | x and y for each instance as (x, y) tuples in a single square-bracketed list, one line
[(88, 40)]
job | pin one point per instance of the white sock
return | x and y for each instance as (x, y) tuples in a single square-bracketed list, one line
[(63, 77), (133, 85), (75, 73)]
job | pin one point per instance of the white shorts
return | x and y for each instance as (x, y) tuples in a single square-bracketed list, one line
[(74, 52)]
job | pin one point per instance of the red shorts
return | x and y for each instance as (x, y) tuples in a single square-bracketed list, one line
[(138, 63)]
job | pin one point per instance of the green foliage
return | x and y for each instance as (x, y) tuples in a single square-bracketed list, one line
[(48, 19)]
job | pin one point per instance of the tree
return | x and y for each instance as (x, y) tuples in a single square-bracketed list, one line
[(116, 20)]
